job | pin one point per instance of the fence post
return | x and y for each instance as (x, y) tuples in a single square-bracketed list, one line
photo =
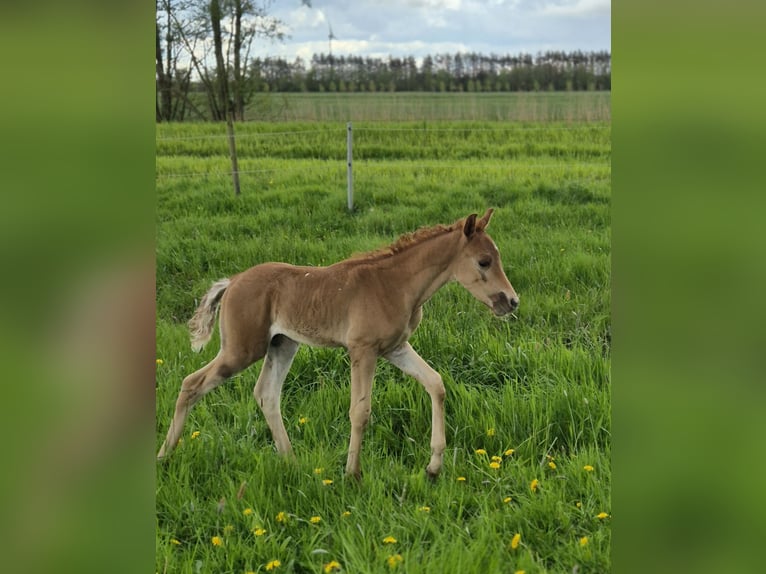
[(232, 151), (349, 159)]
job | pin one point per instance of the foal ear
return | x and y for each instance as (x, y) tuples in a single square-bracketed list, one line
[(470, 225), (484, 221)]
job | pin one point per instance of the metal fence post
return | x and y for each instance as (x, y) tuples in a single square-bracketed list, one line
[(349, 159), (232, 151)]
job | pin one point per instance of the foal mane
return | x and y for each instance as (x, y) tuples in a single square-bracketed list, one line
[(406, 241)]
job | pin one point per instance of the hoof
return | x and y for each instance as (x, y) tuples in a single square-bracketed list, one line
[(355, 476), (432, 476)]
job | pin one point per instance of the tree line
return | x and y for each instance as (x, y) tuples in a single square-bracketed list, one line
[(459, 72), (206, 68)]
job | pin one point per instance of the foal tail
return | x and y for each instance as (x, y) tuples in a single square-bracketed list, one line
[(202, 323)]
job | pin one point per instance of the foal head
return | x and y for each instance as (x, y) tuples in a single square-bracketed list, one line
[(478, 267)]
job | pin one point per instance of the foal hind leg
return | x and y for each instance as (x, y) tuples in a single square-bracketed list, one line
[(194, 387), (268, 389), (410, 363)]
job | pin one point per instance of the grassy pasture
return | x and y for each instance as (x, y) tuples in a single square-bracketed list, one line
[(537, 383), (424, 106), (413, 106)]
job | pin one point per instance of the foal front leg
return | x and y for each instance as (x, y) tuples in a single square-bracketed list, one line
[(362, 373), (410, 363)]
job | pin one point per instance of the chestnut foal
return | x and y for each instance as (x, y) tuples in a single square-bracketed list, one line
[(370, 304)]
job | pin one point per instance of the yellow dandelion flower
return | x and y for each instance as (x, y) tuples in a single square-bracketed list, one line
[(346, 513), (281, 517), (160, 362), (389, 540), (273, 564), (578, 504), (461, 479), (515, 541), (175, 541), (494, 465), (425, 509), (602, 515), (195, 434), (247, 511), (490, 432), (509, 452), (217, 541), (327, 482), (497, 458), (228, 529), (552, 465), (315, 519), (507, 499), (584, 541), (520, 572), (480, 451), (549, 457), (534, 485), (394, 560), (303, 421), (259, 531), (318, 470), (588, 468), (332, 565)]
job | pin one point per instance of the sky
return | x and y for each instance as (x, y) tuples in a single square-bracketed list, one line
[(379, 28)]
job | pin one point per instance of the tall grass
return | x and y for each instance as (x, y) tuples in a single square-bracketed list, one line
[(569, 107), (425, 106), (537, 384)]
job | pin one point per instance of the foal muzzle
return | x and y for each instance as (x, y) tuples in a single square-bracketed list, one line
[(502, 304)]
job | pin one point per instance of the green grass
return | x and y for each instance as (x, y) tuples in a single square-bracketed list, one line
[(541, 380), (420, 106), (527, 106), (427, 106)]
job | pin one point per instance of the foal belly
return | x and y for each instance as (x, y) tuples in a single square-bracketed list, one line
[(306, 335)]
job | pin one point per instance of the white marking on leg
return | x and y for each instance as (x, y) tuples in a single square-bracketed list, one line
[(410, 363), (268, 390)]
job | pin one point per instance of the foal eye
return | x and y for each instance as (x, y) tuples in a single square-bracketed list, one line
[(485, 263)]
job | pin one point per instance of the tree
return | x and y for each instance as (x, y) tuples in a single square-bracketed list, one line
[(217, 38), (172, 78), (236, 24)]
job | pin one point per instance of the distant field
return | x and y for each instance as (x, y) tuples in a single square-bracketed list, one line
[(385, 106), (538, 384)]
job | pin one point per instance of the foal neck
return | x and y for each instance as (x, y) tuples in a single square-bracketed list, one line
[(426, 266)]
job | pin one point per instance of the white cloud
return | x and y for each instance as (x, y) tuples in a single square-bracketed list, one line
[(305, 17), (436, 4), (420, 27), (577, 8), (435, 20), (375, 49)]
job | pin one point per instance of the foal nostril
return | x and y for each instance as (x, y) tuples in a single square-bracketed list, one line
[(502, 304)]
